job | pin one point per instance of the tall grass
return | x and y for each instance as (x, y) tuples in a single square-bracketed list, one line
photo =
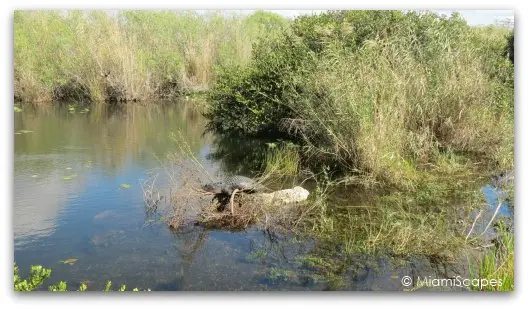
[(378, 93), (498, 263), (134, 54)]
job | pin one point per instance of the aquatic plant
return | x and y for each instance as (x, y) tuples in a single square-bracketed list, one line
[(497, 263), (38, 274), (278, 274)]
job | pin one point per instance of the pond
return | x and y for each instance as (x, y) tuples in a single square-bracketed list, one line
[(78, 195)]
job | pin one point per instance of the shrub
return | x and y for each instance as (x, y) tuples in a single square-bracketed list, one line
[(373, 92)]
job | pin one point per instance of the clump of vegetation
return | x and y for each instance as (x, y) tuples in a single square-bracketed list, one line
[(497, 264), (278, 274), (128, 56), (375, 93), (38, 274)]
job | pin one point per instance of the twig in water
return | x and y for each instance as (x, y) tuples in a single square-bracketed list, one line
[(492, 218), (473, 225)]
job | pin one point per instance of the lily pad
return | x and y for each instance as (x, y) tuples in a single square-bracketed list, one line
[(125, 185), (25, 131), (34, 176), (69, 261), (68, 168), (18, 109)]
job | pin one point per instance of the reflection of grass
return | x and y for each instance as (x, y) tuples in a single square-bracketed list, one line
[(425, 220), (69, 177), (282, 160), (109, 135)]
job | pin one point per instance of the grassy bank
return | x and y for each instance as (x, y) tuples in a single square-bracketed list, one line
[(128, 55)]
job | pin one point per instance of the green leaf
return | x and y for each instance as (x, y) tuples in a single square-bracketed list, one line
[(37, 275), (108, 286), (61, 287), (18, 109), (125, 186)]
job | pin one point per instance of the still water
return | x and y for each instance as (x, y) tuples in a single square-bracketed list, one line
[(77, 195)]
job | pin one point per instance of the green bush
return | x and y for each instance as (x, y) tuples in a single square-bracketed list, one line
[(39, 274), (375, 92), (250, 100)]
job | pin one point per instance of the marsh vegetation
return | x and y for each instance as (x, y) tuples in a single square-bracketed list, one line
[(393, 121)]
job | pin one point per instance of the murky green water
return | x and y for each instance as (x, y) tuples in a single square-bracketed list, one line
[(71, 200)]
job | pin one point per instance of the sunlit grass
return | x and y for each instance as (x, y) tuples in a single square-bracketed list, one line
[(137, 54), (497, 263)]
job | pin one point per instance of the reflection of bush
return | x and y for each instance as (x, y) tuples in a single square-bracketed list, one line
[(107, 134), (238, 155)]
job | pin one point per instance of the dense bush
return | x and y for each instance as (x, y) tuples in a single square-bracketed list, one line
[(377, 92), (250, 100)]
